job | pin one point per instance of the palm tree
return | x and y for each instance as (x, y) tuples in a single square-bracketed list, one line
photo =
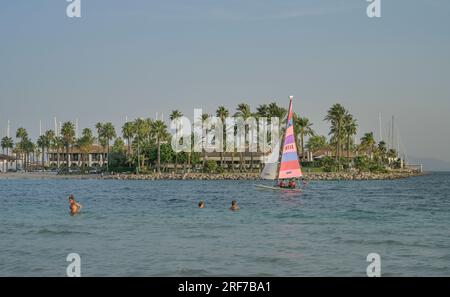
[(43, 142), (276, 111), (243, 111), (173, 116), (128, 133), (350, 129), (84, 143), (222, 113), (262, 110), (22, 134), (28, 148), (205, 117), (141, 131), (68, 138), (302, 127), (50, 137), (316, 142), (159, 132), (58, 144), (335, 116), (7, 143), (106, 132), (368, 143)]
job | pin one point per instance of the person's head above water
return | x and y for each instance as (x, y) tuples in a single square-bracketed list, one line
[(71, 198), (234, 205), (201, 204)]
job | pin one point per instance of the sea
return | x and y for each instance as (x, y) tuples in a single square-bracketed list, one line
[(155, 228)]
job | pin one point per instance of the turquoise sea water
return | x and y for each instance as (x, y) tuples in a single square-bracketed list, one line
[(154, 228)]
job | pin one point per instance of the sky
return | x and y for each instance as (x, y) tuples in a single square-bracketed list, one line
[(141, 57)]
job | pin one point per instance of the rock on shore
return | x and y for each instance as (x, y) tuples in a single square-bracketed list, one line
[(255, 176)]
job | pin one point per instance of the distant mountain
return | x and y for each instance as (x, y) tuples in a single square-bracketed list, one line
[(430, 164)]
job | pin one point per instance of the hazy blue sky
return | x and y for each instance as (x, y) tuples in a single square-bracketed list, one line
[(138, 57)]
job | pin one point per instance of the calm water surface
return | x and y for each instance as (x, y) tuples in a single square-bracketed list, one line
[(154, 228)]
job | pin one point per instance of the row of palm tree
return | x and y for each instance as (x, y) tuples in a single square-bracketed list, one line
[(142, 134)]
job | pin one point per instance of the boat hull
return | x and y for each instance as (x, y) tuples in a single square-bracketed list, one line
[(278, 188)]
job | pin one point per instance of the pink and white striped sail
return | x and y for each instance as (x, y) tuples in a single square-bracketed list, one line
[(290, 165)]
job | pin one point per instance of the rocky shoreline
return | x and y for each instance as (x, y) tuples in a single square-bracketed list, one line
[(325, 176), (330, 176)]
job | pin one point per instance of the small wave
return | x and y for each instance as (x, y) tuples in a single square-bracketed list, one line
[(192, 272), (46, 231)]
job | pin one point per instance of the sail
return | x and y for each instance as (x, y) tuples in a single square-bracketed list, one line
[(290, 166), (271, 164), (269, 171)]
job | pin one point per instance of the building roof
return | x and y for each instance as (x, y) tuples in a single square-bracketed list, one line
[(6, 158), (95, 149)]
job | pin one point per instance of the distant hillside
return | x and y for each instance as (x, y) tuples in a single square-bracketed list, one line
[(430, 164)]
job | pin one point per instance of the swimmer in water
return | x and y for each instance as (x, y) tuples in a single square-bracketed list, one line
[(75, 207), (234, 206), (201, 204)]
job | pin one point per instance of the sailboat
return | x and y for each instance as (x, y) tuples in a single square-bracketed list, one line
[(289, 166)]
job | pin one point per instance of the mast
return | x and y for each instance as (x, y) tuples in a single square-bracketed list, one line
[(379, 119), (282, 139), (289, 165)]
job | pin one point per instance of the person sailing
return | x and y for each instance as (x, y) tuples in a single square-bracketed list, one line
[(291, 184)]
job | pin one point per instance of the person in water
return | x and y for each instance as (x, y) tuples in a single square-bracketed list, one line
[(201, 204), (75, 207), (234, 206)]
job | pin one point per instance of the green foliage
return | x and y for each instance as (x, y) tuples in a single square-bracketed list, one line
[(316, 142), (211, 166), (328, 164)]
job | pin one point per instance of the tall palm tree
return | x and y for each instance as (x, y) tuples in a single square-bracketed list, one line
[(243, 110), (302, 127), (8, 144), (128, 133), (106, 133), (28, 148), (262, 110), (58, 145), (22, 134), (277, 111), (205, 117), (68, 138), (335, 116), (50, 137), (173, 116), (222, 113), (159, 132), (43, 142), (84, 143), (141, 131), (368, 143), (350, 129)]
